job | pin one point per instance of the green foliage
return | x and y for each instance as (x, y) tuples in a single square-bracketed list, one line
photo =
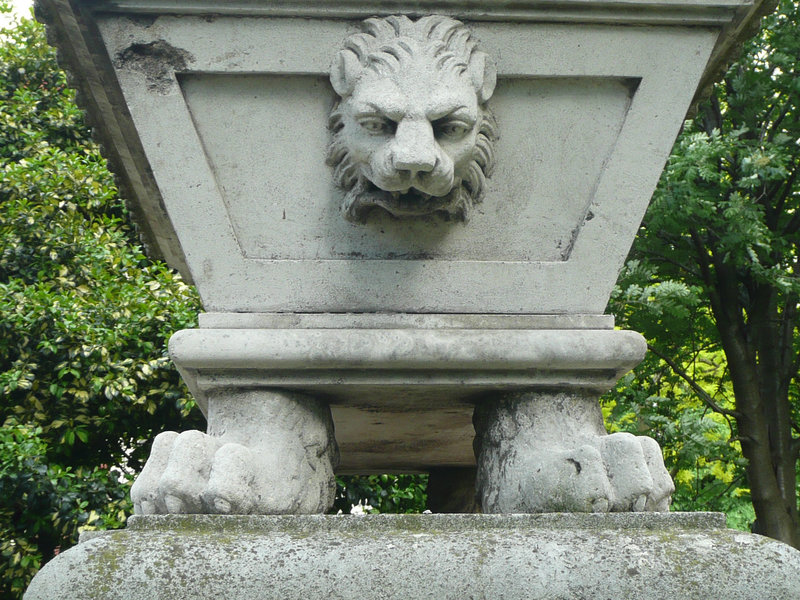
[(84, 321), (381, 493), (38, 107), (705, 462), (45, 504)]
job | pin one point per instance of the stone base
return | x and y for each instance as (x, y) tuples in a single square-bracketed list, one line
[(411, 557)]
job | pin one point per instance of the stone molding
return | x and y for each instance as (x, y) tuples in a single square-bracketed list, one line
[(466, 360), (384, 320)]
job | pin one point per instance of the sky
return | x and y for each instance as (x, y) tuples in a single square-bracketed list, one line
[(21, 7)]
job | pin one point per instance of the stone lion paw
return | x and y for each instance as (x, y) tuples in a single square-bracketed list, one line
[(610, 473), (267, 452), (637, 477), (192, 472), (559, 481), (540, 452), (195, 473)]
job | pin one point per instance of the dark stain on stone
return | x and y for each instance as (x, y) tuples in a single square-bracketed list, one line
[(143, 21), (576, 464), (157, 60)]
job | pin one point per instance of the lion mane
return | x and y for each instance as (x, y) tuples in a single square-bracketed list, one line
[(381, 47)]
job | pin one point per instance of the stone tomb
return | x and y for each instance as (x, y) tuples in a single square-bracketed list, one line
[(404, 220)]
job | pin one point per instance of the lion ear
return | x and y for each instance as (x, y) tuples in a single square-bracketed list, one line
[(344, 72), (483, 74)]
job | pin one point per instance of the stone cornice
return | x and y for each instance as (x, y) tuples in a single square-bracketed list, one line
[(565, 11)]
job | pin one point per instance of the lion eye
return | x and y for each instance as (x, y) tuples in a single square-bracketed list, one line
[(378, 125), (451, 128)]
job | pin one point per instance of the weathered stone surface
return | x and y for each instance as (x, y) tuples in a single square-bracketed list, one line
[(549, 452), (439, 557), (216, 115), (266, 452), (385, 320)]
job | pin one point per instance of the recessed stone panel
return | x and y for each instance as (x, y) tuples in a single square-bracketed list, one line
[(549, 159)]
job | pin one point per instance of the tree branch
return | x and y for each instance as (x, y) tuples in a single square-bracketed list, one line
[(795, 443), (705, 269), (736, 481), (786, 327), (712, 115), (774, 128), (793, 225), (787, 188), (704, 396), (655, 256)]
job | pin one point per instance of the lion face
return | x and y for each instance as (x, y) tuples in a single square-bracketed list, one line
[(412, 134)]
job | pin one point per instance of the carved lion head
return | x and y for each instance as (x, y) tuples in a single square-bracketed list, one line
[(411, 130)]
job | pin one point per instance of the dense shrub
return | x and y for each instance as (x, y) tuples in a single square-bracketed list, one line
[(85, 382)]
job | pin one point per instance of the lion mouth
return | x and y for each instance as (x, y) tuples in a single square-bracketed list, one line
[(410, 194), (410, 202)]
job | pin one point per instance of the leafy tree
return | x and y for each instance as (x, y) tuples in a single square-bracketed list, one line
[(84, 320), (713, 280)]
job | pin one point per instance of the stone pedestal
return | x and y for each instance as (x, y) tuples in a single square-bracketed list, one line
[(500, 157), (679, 556), (395, 212)]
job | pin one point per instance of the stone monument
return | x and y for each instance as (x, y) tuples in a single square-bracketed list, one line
[(404, 220)]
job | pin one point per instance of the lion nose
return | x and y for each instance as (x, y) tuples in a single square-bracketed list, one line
[(414, 147)]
